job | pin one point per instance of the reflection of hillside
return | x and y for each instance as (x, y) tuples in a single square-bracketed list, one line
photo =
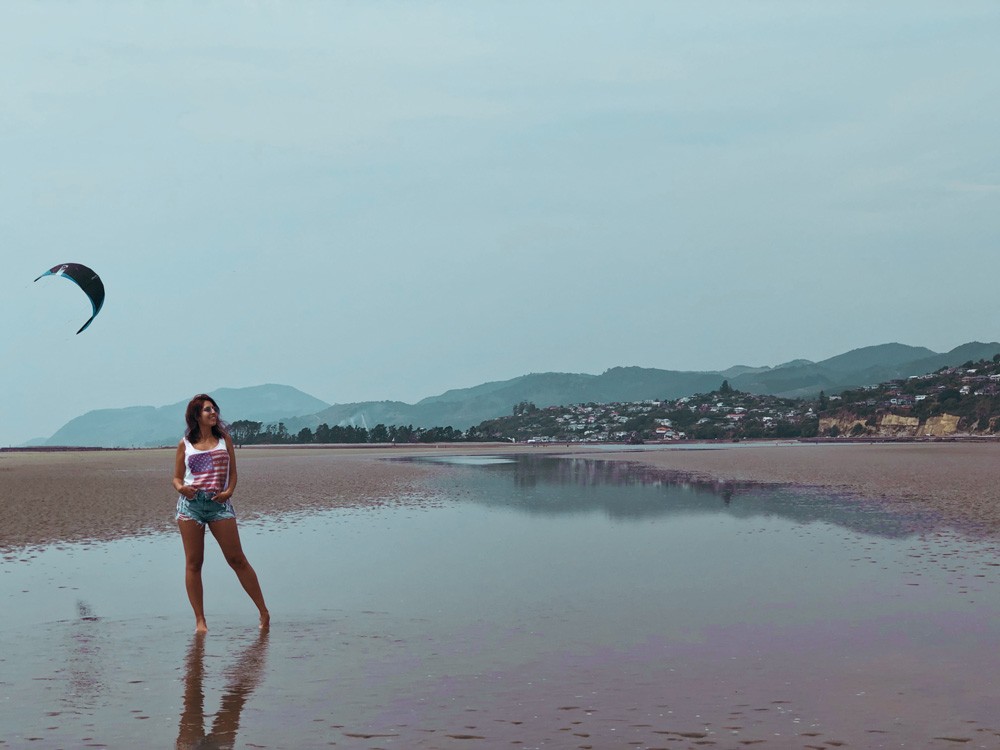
[(624, 491)]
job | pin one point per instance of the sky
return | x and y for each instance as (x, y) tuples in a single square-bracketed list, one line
[(386, 200)]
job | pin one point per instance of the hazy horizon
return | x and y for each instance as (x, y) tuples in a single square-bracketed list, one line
[(378, 200), (218, 391)]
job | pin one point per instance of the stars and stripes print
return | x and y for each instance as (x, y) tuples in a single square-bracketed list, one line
[(209, 470)]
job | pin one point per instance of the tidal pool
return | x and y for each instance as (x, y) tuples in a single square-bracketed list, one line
[(537, 602)]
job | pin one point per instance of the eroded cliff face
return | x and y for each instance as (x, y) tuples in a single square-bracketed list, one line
[(946, 424), (890, 425), (894, 424), (845, 424)]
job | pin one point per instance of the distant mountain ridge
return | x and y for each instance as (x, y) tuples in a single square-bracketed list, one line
[(461, 408), (866, 366), (144, 426)]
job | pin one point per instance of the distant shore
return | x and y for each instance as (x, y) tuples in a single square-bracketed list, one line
[(956, 479), (54, 496)]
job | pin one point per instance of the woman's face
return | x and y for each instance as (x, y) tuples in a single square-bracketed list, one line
[(207, 415)]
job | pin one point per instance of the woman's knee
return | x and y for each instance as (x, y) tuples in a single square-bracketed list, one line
[(237, 561), (193, 564)]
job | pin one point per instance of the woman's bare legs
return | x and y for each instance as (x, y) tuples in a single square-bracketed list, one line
[(193, 536), (228, 537)]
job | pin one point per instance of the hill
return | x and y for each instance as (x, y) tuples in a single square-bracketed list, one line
[(466, 407), (463, 408), (144, 426), (953, 400), (869, 365)]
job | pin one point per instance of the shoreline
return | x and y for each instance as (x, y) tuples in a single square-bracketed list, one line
[(604, 445), (76, 496), (956, 480)]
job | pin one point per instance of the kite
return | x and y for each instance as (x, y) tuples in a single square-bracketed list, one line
[(84, 278)]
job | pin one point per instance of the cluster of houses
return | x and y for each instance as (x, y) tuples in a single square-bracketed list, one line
[(906, 394), (601, 422), (920, 405), (662, 420), (747, 406), (917, 405)]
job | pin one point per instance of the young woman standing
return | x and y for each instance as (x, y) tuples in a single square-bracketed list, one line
[(205, 477)]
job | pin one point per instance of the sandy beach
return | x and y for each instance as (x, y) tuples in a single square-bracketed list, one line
[(433, 604), (103, 495), (956, 480), (76, 495)]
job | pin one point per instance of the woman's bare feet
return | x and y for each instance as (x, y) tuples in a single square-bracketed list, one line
[(265, 619), (201, 626)]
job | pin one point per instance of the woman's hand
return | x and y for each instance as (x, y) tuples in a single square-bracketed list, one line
[(223, 496), (188, 491)]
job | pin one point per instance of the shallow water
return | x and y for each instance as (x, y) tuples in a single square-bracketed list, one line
[(536, 603)]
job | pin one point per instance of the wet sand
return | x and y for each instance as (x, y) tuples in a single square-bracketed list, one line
[(957, 480), (105, 495), (105, 678)]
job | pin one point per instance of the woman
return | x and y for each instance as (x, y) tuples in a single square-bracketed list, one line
[(205, 477)]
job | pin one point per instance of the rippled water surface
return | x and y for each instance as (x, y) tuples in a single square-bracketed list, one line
[(535, 603)]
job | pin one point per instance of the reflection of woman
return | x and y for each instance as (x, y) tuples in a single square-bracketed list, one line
[(244, 676), (205, 477)]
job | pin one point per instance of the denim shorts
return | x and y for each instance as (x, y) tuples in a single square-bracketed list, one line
[(203, 508)]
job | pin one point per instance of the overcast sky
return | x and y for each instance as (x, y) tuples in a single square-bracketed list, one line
[(385, 200)]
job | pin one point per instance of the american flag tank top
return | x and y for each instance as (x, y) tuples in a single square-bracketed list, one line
[(206, 470)]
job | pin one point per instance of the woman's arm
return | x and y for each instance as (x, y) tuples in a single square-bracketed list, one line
[(231, 484), (179, 471)]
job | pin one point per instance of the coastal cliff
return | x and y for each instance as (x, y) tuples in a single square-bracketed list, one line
[(895, 425)]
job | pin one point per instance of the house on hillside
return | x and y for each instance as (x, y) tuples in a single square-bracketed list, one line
[(666, 433)]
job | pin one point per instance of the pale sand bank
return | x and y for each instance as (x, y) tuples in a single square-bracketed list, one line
[(71, 496), (959, 480)]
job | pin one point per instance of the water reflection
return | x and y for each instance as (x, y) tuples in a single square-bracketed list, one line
[(85, 664), (548, 485), (242, 678)]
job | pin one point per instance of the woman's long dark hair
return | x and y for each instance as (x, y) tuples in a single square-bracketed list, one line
[(193, 433)]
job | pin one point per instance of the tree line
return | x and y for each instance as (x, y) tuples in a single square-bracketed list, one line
[(248, 432)]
